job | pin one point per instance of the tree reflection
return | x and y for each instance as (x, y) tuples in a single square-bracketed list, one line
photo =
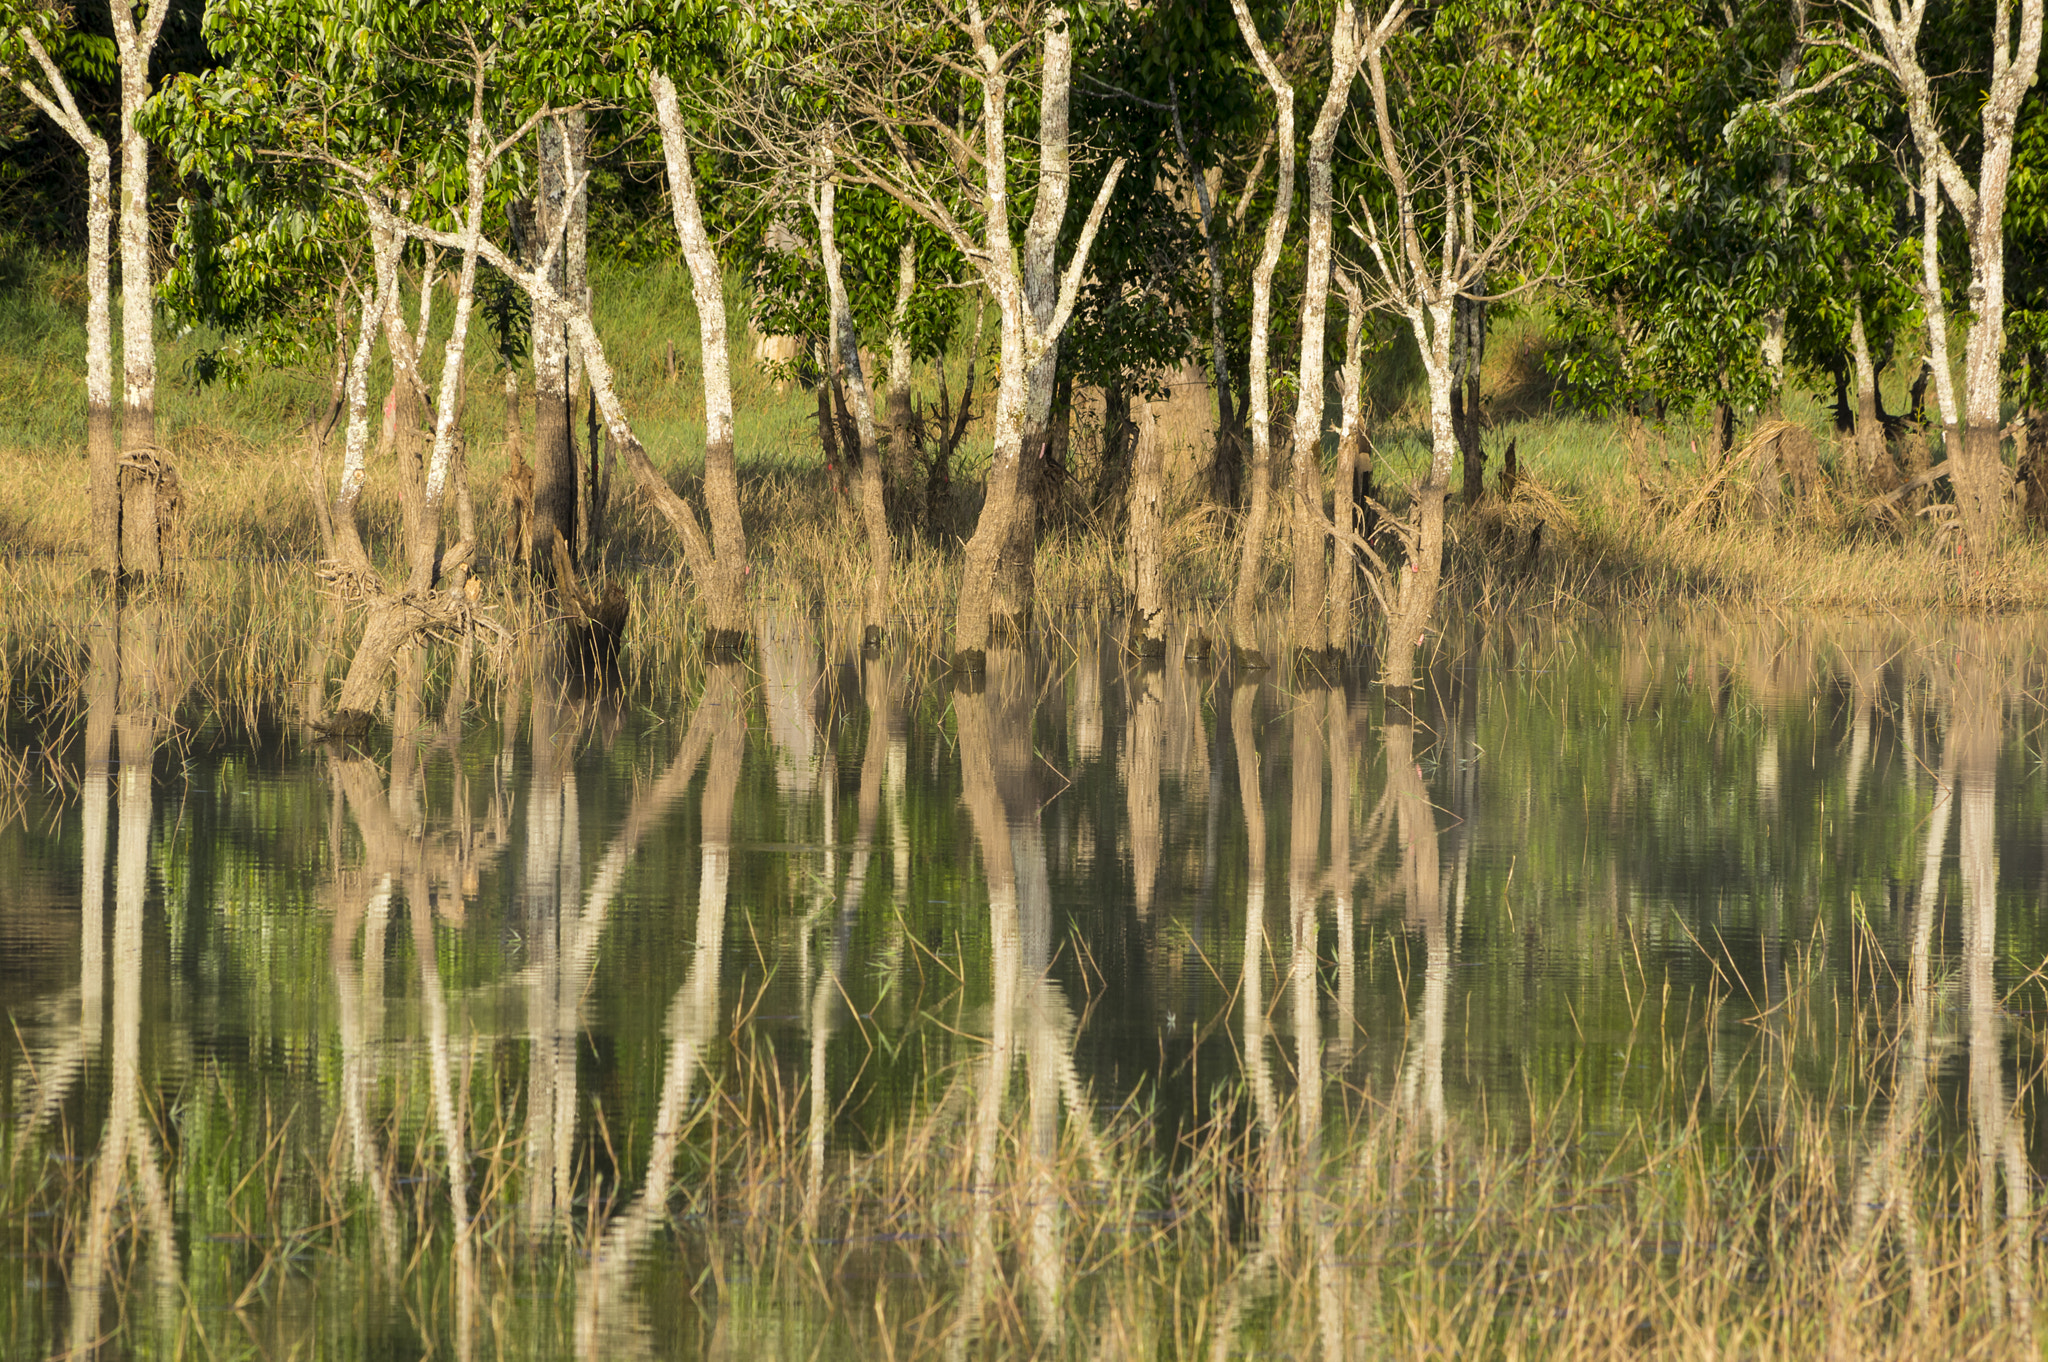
[(607, 1322), (1028, 1012), (127, 1141)]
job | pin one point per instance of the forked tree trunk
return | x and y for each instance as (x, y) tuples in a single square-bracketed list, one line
[(1015, 587), (906, 485), (1350, 436), (874, 514), (554, 445), (102, 449), (1309, 629), (444, 467), (1024, 342), (1251, 547), (725, 589), (1147, 535)]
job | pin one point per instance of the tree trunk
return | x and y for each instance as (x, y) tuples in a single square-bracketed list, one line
[(874, 513), (554, 445), (141, 539), (102, 448), (725, 592), (1250, 565), (904, 483), (1414, 594), (1470, 352), (1871, 463), (348, 536), (1934, 308), (1147, 535), (445, 463), (1309, 628), (1350, 442)]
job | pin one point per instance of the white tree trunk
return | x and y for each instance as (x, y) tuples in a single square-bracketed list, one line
[(874, 515), (1309, 629), (1934, 308), (1243, 622), (725, 592)]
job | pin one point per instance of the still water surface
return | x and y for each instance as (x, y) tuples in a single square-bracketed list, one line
[(439, 1044)]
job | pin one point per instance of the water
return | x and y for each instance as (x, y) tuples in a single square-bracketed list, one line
[(555, 1023)]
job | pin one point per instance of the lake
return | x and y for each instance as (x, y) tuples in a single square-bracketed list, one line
[(1670, 986)]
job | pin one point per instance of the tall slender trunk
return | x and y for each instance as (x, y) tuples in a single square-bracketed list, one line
[(1350, 438), (1870, 447), (348, 536), (1932, 305), (102, 448), (554, 444), (1147, 533), (725, 592), (874, 515), (907, 487), (1250, 564), (1025, 340), (1309, 629)]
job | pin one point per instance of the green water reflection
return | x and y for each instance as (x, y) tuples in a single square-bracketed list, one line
[(442, 1044)]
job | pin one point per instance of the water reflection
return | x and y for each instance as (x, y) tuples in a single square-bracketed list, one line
[(663, 1060)]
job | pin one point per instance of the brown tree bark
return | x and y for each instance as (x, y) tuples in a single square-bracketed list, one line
[(1872, 460), (1147, 534)]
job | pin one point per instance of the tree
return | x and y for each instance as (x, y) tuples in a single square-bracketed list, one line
[(911, 130), (1896, 25)]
